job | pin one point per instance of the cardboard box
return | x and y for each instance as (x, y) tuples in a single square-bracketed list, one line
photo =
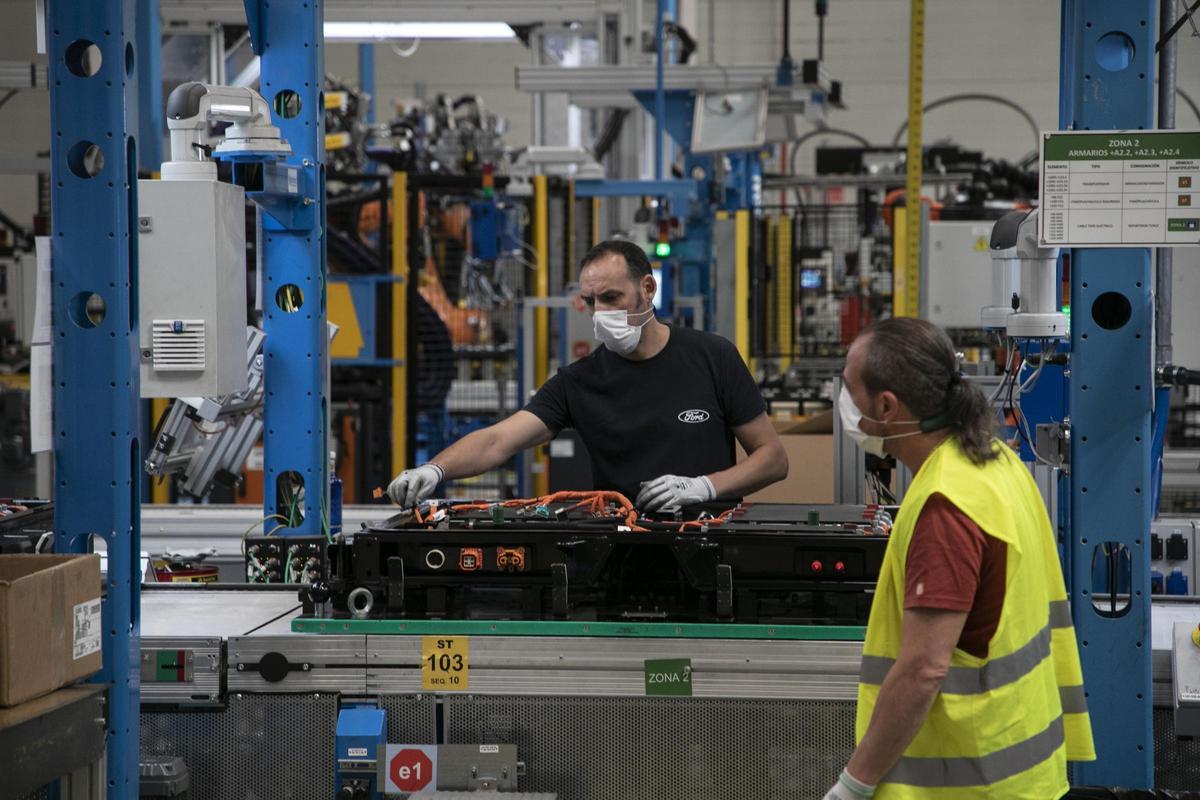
[(50, 625), (808, 442)]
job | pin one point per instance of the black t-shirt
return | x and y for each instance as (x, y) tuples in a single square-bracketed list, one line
[(672, 414)]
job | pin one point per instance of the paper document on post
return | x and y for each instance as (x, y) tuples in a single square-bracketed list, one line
[(41, 367)]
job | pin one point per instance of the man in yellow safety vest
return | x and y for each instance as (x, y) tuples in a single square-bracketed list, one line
[(970, 684)]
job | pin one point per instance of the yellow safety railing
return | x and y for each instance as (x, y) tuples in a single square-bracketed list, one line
[(784, 303), (541, 319), (400, 271), (741, 283), (907, 287)]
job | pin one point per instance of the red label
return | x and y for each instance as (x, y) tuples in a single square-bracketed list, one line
[(581, 349), (410, 770)]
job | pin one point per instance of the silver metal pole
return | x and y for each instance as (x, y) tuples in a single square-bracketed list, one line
[(712, 31), (1164, 262)]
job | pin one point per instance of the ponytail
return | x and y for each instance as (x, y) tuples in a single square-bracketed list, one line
[(973, 420)]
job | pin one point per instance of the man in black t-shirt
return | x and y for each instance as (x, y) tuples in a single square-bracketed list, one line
[(658, 407)]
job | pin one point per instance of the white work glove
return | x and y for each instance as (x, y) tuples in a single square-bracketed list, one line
[(414, 485), (673, 491), (849, 788)]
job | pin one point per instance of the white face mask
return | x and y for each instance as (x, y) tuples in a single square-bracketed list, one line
[(615, 332), (851, 416)]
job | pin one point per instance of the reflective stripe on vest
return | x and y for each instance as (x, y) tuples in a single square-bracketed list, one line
[(1060, 614), (981, 771), (976, 680), (1000, 672), (1073, 699)]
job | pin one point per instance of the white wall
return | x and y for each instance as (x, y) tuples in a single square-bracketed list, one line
[(1009, 49), (25, 119), (453, 68)]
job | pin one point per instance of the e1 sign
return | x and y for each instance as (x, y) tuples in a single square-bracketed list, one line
[(409, 768)]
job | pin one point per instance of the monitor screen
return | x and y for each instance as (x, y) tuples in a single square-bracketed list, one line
[(811, 278)]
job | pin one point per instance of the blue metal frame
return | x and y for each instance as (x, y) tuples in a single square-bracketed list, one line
[(660, 96), (149, 74), (366, 76), (96, 387), (363, 289), (289, 39), (683, 194), (1111, 395)]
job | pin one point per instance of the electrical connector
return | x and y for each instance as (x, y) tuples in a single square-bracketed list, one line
[(470, 559), (510, 559)]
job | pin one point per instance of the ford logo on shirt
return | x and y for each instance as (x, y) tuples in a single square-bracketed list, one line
[(693, 416)]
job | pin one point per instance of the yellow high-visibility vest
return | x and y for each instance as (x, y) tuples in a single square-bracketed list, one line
[(1002, 726)]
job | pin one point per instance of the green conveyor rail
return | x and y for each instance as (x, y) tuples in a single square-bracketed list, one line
[(631, 630)]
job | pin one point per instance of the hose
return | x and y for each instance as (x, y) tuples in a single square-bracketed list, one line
[(980, 97), (795, 144)]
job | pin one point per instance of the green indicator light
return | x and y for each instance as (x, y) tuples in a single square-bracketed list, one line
[(662, 249), (1066, 309)]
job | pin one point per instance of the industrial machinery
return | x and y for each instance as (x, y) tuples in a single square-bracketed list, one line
[(1024, 281), (589, 555), (671, 696), (191, 231), (346, 128), (479, 642), (207, 439), (452, 136)]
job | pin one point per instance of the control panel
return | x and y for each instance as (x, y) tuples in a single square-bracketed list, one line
[(1173, 567), (1185, 674)]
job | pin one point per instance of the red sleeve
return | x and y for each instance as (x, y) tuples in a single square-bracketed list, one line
[(944, 558)]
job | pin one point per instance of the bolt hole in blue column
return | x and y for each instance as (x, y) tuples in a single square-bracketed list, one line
[(1111, 310), (289, 298), (87, 310), (287, 104), (1115, 51), (289, 490), (85, 159), (131, 179), (83, 58), (1112, 571)]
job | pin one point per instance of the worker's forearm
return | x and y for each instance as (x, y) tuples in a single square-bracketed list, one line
[(904, 701), (471, 455), (761, 468)]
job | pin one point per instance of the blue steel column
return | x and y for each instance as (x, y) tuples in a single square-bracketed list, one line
[(289, 38), (96, 388), (1107, 82), (149, 75), (660, 97), (366, 76)]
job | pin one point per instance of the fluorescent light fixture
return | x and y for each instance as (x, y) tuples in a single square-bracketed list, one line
[(418, 30)]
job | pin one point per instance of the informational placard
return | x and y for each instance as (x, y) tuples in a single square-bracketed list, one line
[(669, 677), (1120, 189), (445, 663), (88, 627)]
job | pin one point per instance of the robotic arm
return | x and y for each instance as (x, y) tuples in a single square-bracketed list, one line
[(191, 107), (1024, 281)]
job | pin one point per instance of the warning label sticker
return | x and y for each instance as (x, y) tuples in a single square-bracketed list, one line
[(87, 628)]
